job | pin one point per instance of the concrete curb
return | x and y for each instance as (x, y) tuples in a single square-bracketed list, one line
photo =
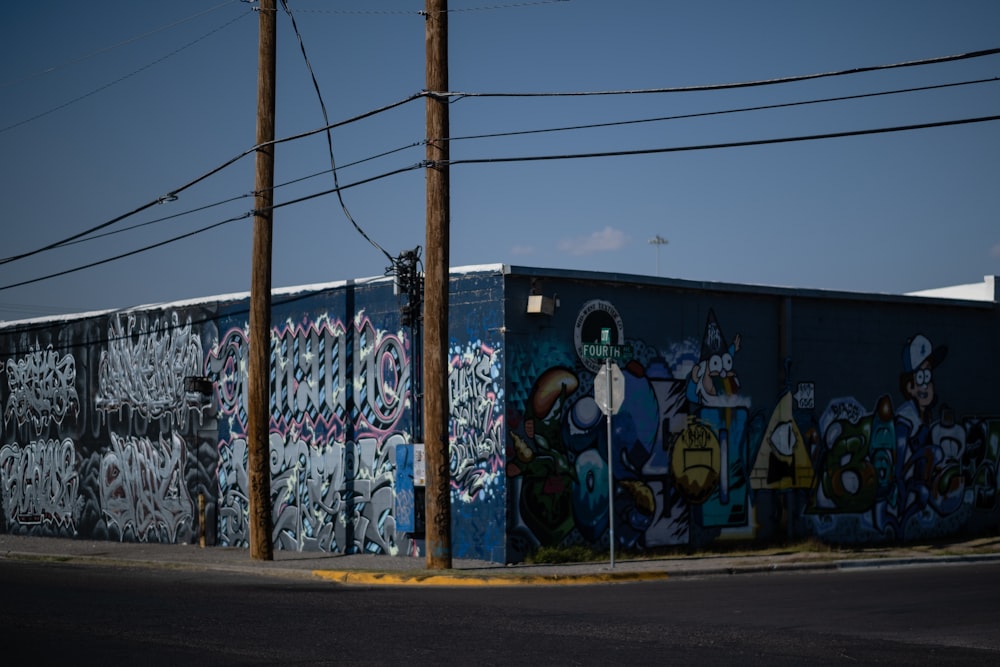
[(458, 579), (573, 574)]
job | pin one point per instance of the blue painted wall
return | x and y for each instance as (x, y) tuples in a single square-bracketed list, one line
[(749, 413), (101, 440)]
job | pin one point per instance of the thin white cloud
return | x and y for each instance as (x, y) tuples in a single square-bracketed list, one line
[(523, 250), (608, 238), (995, 250)]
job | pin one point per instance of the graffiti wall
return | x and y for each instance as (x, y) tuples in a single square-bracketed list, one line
[(718, 438), (476, 387), (749, 414), (343, 428), (115, 426), (102, 438)]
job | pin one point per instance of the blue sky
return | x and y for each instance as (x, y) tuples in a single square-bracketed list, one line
[(108, 106)]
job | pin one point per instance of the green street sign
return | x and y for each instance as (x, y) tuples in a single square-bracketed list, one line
[(605, 351)]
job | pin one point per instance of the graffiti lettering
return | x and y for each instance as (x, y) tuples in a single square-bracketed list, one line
[(335, 498), (40, 483), (476, 423), (234, 494), (310, 369), (41, 388), (145, 365), (142, 488)]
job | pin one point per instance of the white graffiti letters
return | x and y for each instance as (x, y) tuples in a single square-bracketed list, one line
[(476, 436), (143, 490), (145, 365), (40, 483), (41, 388)]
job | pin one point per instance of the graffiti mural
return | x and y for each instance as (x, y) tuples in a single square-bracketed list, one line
[(907, 470), (142, 488), (886, 428), (476, 429), (557, 451), (337, 397), (145, 364), (101, 439), (40, 484), (41, 389), (39, 479), (692, 457)]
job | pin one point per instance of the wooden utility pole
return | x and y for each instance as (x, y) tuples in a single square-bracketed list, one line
[(259, 375), (436, 412)]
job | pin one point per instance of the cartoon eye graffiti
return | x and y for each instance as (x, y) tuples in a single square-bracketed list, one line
[(922, 376), (715, 364), (727, 362)]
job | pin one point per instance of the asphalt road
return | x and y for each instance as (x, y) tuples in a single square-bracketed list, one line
[(74, 614)]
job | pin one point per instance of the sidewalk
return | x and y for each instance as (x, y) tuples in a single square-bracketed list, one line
[(369, 570)]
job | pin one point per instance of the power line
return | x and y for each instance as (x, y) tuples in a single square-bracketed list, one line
[(125, 254), (534, 158), (730, 144), (222, 202), (702, 114), (329, 135), (207, 228), (729, 86), (165, 218), (74, 61), (121, 78), (172, 195), (413, 12), (337, 189)]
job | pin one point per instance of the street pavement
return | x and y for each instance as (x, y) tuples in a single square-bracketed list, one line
[(374, 570)]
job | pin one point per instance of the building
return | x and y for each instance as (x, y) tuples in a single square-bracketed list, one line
[(748, 413)]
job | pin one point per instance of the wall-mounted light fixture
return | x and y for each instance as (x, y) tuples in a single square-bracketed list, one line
[(544, 305)]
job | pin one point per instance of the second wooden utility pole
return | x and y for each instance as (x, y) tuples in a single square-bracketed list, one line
[(259, 372), (436, 407)]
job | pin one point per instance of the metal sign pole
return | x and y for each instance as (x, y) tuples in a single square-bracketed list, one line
[(611, 484)]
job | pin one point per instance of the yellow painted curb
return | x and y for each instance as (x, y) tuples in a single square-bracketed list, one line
[(426, 579)]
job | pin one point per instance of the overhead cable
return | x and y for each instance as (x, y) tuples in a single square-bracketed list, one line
[(729, 144), (74, 61), (126, 254), (158, 220), (413, 12), (207, 228), (172, 195), (728, 86), (329, 135), (121, 78), (702, 114)]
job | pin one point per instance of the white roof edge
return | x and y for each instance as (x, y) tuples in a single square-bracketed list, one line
[(984, 291), (232, 296), (988, 290)]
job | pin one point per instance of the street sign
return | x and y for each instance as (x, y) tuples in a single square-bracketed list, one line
[(609, 404), (605, 351)]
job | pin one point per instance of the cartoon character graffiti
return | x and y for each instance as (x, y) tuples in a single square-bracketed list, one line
[(713, 390), (539, 458), (713, 379), (897, 471), (916, 383), (932, 474)]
